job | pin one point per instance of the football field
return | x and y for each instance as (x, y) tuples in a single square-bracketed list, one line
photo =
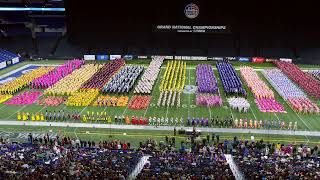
[(306, 122)]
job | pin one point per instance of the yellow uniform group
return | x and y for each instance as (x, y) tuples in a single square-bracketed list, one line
[(30, 117), (72, 83), (82, 98), (16, 85), (107, 100), (4, 98)]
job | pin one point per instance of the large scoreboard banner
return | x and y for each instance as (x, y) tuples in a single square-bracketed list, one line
[(190, 17)]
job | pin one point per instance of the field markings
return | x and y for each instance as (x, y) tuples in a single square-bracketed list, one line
[(302, 121), (83, 110), (209, 109), (41, 109), (17, 111), (167, 112), (189, 95), (3, 107), (276, 116), (255, 117)]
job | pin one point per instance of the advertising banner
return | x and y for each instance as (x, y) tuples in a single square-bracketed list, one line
[(15, 60), (191, 58), (114, 57), (3, 65), (142, 57), (102, 57), (286, 60), (258, 60), (215, 58), (9, 62), (244, 59), (128, 57), (230, 58), (271, 60), (89, 57)]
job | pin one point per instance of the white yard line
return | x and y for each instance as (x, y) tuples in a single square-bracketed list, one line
[(209, 109), (145, 112), (124, 112), (303, 121), (189, 96), (3, 107), (167, 111), (255, 117), (231, 113), (276, 116), (41, 109), (17, 111), (83, 110)]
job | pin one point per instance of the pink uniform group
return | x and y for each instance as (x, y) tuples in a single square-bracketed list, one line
[(56, 74), (25, 98), (264, 95)]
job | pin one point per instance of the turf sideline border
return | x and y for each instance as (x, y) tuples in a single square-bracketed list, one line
[(161, 128)]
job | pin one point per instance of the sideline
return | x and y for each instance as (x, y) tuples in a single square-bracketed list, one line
[(162, 128)]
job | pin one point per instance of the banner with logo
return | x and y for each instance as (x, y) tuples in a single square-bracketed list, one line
[(114, 57), (102, 57), (89, 57), (15, 60), (215, 58), (142, 57), (243, 59), (128, 57), (271, 60), (3, 65), (230, 58), (286, 60), (258, 60), (191, 58)]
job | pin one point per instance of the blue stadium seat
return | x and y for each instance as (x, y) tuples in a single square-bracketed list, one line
[(6, 55)]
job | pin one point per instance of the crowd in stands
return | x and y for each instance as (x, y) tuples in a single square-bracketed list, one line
[(23, 81), (48, 157), (308, 83), (206, 162), (295, 97), (149, 77), (264, 96), (56, 74), (103, 75), (259, 160), (60, 158), (124, 80)]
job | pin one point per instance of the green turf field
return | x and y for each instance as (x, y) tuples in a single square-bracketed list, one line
[(187, 109)]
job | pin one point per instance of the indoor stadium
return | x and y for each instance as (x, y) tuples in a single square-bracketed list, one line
[(184, 89)]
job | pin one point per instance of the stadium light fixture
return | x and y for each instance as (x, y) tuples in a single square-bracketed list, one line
[(30, 9)]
